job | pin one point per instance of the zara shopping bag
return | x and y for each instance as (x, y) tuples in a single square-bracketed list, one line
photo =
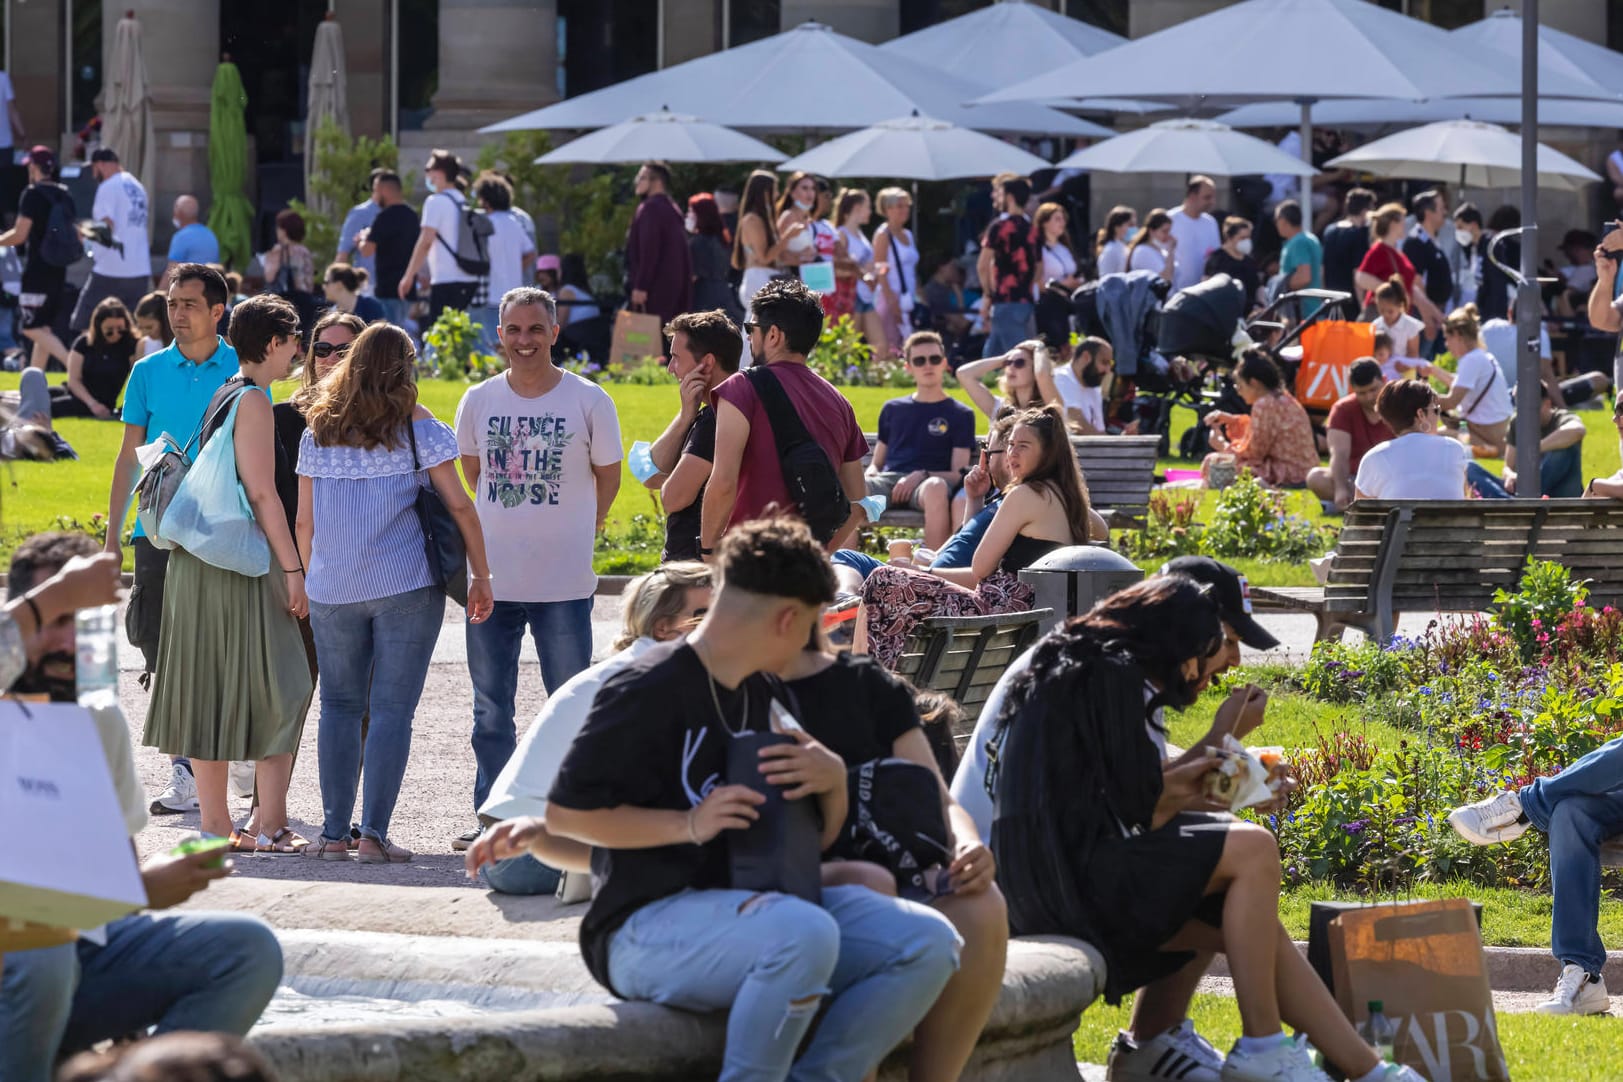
[(209, 515), (53, 770), (1424, 962)]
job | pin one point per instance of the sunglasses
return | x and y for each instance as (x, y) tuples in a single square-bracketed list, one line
[(114, 328), (931, 359), (750, 326), (327, 349), (1015, 362)]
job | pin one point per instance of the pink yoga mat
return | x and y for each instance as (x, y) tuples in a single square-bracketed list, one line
[(1183, 475)]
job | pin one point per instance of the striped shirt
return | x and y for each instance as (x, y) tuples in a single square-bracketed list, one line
[(368, 542)]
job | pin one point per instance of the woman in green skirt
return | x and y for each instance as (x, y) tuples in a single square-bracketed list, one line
[(233, 681)]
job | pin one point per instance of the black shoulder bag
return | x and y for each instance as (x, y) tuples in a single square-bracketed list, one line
[(442, 540), (812, 480)]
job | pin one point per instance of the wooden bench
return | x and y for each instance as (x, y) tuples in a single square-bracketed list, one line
[(1396, 556), (1119, 471), (1302, 599), (965, 656)]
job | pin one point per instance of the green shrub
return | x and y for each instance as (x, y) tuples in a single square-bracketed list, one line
[(1169, 528), (1545, 595), (1250, 520), (453, 348), (634, 549), (342, 177)]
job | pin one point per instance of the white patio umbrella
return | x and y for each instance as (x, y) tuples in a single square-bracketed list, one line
[(1464, 152), (662, 136), (915, 148), (1187, 146), (806, 79), (328, 97), (1311, 50), (1560, 54), (126, 111), (1378, 114)]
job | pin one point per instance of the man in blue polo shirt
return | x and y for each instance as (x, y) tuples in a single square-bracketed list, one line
[(168, 392), (193, 241)]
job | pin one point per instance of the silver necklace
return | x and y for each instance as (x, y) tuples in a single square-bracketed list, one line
[(715, 700)]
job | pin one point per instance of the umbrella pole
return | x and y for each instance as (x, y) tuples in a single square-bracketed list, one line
[(915, 212), (1528, 371), (1307, 134)]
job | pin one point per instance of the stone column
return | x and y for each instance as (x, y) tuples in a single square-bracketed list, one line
[(868, 20), (497, 58), (37, 75), (1148, 16), (366, 60), (692, 29)]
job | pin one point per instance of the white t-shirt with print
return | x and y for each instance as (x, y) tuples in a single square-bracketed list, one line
[(1402, 333), (121, 200), (442, 212), (1416, 466), (537, 496), (508, 245), (1475, 371), (1089, 400)]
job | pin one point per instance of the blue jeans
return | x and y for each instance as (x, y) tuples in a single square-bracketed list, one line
[(860, 562), (770, 959), (1011, 324), (562, 631), (212, 972), (1560, 475), (394, 310), (1578, 808), (374, 657), (488, 319), (521, 875)]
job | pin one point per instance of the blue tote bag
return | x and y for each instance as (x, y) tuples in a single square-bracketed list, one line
[(210, 516)]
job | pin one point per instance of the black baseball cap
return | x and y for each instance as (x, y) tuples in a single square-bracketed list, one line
[(104, 154), (1231, 592)]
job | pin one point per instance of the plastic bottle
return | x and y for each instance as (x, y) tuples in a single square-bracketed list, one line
[(1379, 1033), (96, 653)]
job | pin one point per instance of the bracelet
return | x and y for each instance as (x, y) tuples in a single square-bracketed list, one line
[(693, 835), (293, 570), (481, 578), (706, 552), (33, 607)]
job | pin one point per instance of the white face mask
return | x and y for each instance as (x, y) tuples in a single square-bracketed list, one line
[(176, 222), (692, 223), (804, 206), (1243, 245), (1463, 238)]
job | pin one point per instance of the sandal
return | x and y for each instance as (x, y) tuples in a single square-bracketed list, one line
[(387, 852), (284, 843), (238, 842), (327, 849)]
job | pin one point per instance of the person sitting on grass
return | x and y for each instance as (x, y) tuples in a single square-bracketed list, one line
[(1576, 810), (660, 606), (1477, 386), (190, 970), (1354, 427), (1097, 838), (667, 925), (1560, 456), (925, 441), (1275, 441)]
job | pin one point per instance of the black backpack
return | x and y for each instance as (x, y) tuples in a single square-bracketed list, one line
[(59, 241), (812, 480), (473, 233)]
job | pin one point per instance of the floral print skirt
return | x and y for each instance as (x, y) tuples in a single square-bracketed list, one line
[(898, 598)]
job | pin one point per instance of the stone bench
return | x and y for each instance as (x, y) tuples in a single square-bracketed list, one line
[(533, 1012)]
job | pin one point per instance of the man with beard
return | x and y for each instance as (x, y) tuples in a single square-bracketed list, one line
[(210, 972), (1081, 386), (658, 266)]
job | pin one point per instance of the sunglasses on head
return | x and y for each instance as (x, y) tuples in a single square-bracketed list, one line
[(327, 349), (931, 359)]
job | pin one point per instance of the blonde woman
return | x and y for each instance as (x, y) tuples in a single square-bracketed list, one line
[(896, 262), (663, 605), (1478, 387), (1025, 379)]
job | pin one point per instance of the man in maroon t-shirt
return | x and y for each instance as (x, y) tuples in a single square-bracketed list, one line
[(1354, 427), (1007, 267), (746, 477)]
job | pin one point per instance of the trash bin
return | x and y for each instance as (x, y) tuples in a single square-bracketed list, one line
[(1069, 580)]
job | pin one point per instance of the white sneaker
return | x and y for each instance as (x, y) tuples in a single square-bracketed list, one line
[(1180, 1053), (242, 778), (181, 796), (1287, 1061), (1575, 993), (1490, 821)]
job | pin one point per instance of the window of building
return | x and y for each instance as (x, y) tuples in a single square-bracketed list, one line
[(1448, 14), (419, 59), (609, 41), (85, 82), (752, 20), (1108, 15), (919, 14)]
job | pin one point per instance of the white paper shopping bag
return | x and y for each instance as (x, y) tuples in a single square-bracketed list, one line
[(68, 860)]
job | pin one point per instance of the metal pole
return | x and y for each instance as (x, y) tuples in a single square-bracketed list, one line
[(1528, 372), (1307, 146)]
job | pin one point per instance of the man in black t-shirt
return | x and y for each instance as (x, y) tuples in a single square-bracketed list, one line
[(645, 784), (388, 241), (43, 282), (1430, 212), (705, 348)]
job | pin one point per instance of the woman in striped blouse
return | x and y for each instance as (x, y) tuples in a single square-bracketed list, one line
[(374, 608)]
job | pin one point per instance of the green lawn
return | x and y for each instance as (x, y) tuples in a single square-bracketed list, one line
[(1539, 1048), (37, 494)]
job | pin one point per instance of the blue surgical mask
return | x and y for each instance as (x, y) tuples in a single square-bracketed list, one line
[(804, 206), (1132, 235), (428, 182)]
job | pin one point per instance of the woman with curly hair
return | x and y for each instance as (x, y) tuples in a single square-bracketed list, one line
[(374, 607)]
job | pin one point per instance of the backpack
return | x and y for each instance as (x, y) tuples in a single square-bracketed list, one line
[(812, 480), (59, 243), (473, 232)]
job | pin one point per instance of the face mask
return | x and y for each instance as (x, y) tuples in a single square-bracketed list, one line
[(692, 223), (428, 182), (176, 222), (1463, 238), (1131, 235), (804, 206), (1243, 246)]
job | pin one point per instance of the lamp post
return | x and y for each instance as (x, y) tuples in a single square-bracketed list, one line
[(1528, 369)]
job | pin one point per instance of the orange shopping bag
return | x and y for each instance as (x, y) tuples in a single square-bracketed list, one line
[(1329, 347)]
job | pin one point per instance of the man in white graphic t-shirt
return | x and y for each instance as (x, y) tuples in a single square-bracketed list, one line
[(123, 264), (541, 450)]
